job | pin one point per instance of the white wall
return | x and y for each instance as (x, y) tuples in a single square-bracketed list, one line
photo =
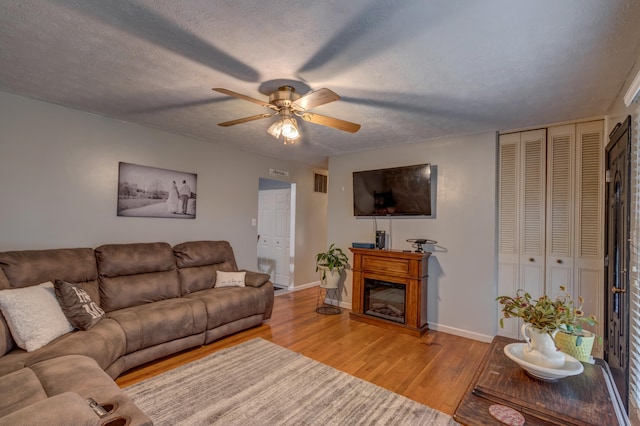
[(59, 174), (462, 271)]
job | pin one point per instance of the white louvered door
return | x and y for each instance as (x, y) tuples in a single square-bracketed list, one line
[(532, 212), (521, 218), (560, 212), (550, 215), (589, 252), (509, 222)]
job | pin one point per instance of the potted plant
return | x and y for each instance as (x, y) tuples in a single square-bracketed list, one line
[(543, 319), (334, 261)]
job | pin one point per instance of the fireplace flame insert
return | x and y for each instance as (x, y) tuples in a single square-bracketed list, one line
[(384, 300)]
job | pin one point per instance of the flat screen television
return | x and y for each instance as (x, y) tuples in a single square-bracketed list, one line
[(397, 191)]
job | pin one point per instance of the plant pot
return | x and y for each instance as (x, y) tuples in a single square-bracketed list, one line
[(540, 350), (580, 349), (329, 279)]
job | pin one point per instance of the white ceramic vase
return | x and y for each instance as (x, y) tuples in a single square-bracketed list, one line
[(541, 349), (329, 278)]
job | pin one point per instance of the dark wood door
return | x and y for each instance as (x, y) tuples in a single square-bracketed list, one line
[(617, 237)]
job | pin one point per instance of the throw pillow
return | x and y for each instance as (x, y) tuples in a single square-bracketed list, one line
[(82, 312), (34, 315), (230, 279)]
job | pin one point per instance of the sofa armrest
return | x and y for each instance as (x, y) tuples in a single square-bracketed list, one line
[(65, 408), (255, 279)]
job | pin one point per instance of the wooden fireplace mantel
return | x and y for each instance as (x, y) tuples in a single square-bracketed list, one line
[(398, 267)]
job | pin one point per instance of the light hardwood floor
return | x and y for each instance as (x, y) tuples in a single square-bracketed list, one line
[(434, 370)]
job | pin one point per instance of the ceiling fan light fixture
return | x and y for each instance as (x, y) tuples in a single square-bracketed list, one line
[(275, 129), (287, 127), (290, 128), (286, 103)]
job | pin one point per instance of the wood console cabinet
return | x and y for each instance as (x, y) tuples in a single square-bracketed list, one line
[(589, 398), (406, 269)]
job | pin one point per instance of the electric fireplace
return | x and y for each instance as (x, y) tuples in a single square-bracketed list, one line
[(390, 289)]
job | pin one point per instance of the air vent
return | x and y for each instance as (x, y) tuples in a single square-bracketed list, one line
[(320, 183)]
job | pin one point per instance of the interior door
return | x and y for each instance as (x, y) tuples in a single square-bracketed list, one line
[(521, 258), (274, 220), (617, 235), (532, 204), (560, 208), (509, 225)]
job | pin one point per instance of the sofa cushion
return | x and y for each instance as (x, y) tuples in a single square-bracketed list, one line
[(107, 343), (6, 339), (229, 304), (136, 274), (13, 361), (159, 322), (198, 262), (72, 373), (268, 295), (34, 315), (229, 279), (80, 374), (81, 311), (200, 253), (67, 408), (19, 389), (30, 267), (256, 279)]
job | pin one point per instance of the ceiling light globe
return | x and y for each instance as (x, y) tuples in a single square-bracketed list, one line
[(275, 129), (290, 128)]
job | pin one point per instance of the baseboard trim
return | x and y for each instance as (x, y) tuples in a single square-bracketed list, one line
[(459, 332), (305, 286), (345, 305)]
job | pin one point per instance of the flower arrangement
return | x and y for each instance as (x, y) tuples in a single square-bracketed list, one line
[(547, 314)]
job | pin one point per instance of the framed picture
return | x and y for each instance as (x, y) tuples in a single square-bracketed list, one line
[(152, 192)]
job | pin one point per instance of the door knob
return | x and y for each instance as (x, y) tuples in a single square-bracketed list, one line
[(531, 259), (615, 290), (559, 261)]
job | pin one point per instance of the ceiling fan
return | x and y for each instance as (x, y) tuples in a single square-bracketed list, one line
[(286, 103)]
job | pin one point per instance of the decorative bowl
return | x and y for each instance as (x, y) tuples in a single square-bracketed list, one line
[(571, 365)]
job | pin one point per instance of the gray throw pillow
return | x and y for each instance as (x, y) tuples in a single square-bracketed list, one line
[(82, 312)]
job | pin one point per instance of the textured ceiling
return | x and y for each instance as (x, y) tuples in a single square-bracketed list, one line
[(408, 71)]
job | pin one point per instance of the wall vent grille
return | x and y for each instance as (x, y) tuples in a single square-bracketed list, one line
[(320, 183)]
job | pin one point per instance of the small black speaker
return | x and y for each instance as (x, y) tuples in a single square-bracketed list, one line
[(381, 238)]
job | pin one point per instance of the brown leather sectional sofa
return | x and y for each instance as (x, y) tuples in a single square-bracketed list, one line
[(158, 300)]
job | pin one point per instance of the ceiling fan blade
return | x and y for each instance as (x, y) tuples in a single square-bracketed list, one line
[(244, 120), (314, 99), (241, 96), (336, 123)]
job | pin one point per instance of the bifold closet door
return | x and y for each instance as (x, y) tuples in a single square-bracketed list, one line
[(532, 211), (589, 215), (521, 221), (560, 208), (509, 223), (550, 223)]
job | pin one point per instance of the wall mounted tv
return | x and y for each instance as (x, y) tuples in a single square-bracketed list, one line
[(398, 191)]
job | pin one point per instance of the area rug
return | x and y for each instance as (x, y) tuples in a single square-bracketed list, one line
[(260, 383)]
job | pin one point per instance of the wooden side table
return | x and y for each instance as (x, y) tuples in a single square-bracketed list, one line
[(586, 399)]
